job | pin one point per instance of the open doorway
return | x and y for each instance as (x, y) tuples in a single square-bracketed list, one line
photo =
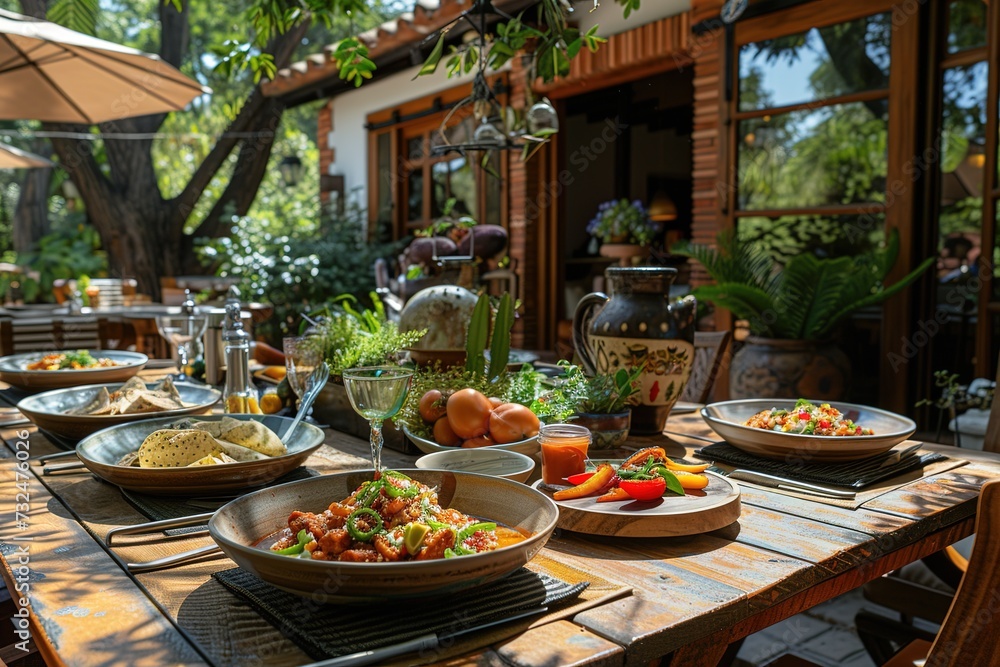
[(630, 141)]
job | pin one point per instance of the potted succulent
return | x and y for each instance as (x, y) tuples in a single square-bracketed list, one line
[(793, 312), (623, 228), (603, 404)]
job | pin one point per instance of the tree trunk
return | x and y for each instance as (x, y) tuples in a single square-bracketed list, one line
[(31, 217)]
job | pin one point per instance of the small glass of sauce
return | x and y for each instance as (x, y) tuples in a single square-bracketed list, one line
[(564, 451)]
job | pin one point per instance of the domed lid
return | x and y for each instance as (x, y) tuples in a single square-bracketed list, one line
[(445, 311)]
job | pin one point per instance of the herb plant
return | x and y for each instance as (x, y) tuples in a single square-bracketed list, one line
[(606, 394), (623, 221)]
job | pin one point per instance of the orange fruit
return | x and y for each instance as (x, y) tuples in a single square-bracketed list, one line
[(432, 406), (270, 404), (443, 435), (512, 422), (481, 441), (469, 413)]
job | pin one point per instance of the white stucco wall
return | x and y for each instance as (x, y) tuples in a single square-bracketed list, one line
[(349, 139)]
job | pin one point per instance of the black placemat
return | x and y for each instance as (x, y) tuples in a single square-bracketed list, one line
[(331, 630), (13, 395), (158, 508), (850, 474)]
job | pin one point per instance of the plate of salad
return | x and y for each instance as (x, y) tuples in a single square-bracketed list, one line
[(36, 371), (647, 494), (807, 429)]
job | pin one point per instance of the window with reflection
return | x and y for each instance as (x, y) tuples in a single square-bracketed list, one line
[(812, 134)]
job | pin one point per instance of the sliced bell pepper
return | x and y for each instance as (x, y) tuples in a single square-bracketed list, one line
[(686, 467), (644, 489), (640, 457), (615, 494), (580, 477), (357, 533), (398, 485), (303, 537), (691, 481), (590, 486), (670, 479)]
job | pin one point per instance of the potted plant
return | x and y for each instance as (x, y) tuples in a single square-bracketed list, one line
[(602, 403), (966, 406), (623, 228), (793, 312), (348, 338)]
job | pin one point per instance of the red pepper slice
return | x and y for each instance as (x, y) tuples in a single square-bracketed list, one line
[(589, 487), (643, 489), (824, 423), (579, 478)]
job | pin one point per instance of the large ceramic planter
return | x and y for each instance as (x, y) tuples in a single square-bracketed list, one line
[(608, 431), (333, 407), (638, 326), (623, 252), (773, 368)]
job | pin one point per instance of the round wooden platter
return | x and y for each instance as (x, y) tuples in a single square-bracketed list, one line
[(716, 506)]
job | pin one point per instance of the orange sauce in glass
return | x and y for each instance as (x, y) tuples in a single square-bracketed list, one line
[(564, 451)]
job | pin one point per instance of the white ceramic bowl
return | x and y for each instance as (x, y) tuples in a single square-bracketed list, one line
[(483, 460), (527, 447)]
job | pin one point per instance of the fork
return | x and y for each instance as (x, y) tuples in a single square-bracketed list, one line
[(158, 526)]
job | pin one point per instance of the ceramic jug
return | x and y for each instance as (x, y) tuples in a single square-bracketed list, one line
[(639, 325)]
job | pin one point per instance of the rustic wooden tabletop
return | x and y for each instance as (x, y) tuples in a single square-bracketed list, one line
[(681, 599)]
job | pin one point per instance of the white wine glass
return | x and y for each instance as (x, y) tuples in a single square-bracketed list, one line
[(180, 332), (377, 393)]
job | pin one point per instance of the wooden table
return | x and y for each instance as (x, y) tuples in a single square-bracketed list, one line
[(692, 596)]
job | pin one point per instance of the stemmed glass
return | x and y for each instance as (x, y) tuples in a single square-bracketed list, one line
[(180, 332), (301, 360), (377, 393)]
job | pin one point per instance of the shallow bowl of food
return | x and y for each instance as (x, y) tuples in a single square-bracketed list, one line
[(528, 447), (483, 460), (113, 366), (103, 452), (60, 411), (729, 420), (245, 528)]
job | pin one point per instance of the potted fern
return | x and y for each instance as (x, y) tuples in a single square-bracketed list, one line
[(793, 312)]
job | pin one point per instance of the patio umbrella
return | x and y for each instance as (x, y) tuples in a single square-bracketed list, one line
[(51, 73), (15, 158)]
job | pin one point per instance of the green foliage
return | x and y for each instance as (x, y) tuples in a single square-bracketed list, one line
[(500, 345), (300, 270), (603, 394), (348, 338), (69, 252), (478, 334), (808, 298), (79, 15)]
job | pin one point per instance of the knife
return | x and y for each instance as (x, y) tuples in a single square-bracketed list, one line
[(428, 642), (790, 484)]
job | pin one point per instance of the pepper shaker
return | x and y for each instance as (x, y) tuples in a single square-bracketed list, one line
[(240, 395)]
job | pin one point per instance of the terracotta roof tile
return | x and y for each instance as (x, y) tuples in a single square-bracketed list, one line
[(408, 29)]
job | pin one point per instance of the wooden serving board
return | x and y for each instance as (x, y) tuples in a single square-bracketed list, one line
[(716, 506)]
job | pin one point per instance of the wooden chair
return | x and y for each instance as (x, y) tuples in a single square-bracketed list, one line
[(44, 334), (967, 636), (709, 350)]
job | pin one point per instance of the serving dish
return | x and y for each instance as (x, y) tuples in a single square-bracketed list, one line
[(527, 447), (48, 410), (101, 451), (244, 522), (483, 460), (13, 371), (727, 419), (716, 506)]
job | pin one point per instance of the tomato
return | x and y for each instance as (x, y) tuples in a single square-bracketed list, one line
[(579, 478), (643, 489), (444, 435), (512, 422), (480, 441), (432, 406), (469, 413)]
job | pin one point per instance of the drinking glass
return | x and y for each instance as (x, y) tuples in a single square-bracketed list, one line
[(377, 393), (180, 332), (301, 360)]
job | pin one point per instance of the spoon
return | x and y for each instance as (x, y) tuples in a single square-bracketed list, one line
[(314, 385)]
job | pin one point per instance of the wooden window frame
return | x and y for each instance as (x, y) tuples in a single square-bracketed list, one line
[(903, 137), (426, 114)]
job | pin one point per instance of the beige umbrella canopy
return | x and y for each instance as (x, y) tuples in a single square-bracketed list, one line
[(15, 158), (51, 73)]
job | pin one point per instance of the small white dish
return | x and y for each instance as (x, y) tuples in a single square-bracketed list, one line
[(483, 460)]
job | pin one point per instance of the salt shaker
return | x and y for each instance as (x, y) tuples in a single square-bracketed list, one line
[(240, 395)]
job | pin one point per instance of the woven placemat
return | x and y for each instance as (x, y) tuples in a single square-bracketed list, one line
[(158, 508), (849, 474), (331, 630)]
